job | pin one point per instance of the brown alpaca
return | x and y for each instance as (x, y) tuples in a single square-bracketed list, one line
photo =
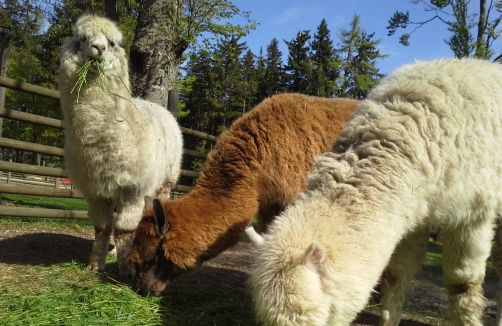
[(256, 169)]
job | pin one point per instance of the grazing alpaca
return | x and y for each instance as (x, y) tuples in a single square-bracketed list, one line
[(256, 168), (418, 153), (117, 149)]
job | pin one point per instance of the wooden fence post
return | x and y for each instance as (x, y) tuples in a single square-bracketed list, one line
[(8, 174), (5, 37), (172, 102)]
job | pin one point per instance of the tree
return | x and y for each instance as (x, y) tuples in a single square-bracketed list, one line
[(299, 67), (161, 29), (165, 30), (230, 84), (323, 57), (273, 81), (248, 93), (25, 19), (472, 34), (358, 55), (199, 97)]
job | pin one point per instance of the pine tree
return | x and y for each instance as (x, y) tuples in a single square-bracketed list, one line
[(358, 54), (273, 81), (299, 67), (228, 67), (323, 56), (248, 94), (200, 100)]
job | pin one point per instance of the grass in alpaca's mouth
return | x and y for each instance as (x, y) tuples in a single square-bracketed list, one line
[(82, 79), (82, 75)]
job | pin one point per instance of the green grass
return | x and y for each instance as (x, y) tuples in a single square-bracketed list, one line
[(47, 202), (433, 257), (68, 295), (436, 258)]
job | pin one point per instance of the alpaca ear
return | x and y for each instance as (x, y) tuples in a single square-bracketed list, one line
[(148, 203), (161, 225), (255, 238), (314, 255)]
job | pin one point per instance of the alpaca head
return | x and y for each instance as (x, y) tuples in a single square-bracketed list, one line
[(154, 268), (289, 291), (94, 38)]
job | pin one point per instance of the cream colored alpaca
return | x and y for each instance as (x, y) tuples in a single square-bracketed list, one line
[(117, 149), (419, 152)]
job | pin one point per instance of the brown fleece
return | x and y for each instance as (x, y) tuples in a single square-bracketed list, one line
[(256, 168)]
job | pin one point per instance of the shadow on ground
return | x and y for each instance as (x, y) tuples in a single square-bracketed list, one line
[(44, 249)]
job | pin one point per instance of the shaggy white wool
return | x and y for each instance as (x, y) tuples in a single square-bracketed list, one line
[(418, 152), (118, 149)]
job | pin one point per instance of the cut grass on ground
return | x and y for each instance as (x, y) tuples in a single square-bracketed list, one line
[(69, 295)]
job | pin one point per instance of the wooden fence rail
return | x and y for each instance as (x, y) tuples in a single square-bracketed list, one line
[(55, 151), (37, 90)]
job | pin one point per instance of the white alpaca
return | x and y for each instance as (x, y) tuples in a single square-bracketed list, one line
[(117, 149), (421, 151)]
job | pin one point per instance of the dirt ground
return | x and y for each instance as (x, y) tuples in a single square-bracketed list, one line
[(35, 245)]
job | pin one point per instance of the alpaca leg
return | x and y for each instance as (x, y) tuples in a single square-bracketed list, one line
[(129, 214), (405, 262), (101, 214), (496, 258), (465, 250)]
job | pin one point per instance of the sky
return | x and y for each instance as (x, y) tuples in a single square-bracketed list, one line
[(283, 19)]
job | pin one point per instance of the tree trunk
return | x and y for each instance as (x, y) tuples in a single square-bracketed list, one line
[(5, 36), (111, 10), (481, 47), (156, 51)]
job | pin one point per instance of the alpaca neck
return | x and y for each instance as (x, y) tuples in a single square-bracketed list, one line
[(205, 223)]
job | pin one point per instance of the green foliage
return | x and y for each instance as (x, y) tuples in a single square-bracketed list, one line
[(274, 77), (398, 20), (358, 54), (323, 56), (300, 66), (472, 35), (199, 17), (405, 39)]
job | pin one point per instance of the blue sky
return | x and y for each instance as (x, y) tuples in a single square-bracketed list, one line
[(283, 19)]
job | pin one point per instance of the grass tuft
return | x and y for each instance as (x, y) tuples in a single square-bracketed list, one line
[(70, 296)]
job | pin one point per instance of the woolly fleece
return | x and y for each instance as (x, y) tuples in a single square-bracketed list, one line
[(117, 148), (419, 152)]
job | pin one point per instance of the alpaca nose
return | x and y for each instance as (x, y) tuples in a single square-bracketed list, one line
[(98, 49)]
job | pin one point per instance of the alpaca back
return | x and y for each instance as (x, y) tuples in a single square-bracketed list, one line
[(439, 120), (272, 148)]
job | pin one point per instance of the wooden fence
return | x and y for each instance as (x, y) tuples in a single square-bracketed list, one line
[(17, 178)]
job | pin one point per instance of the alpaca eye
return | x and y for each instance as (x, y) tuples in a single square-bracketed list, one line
[(83, 39), (112, 43)]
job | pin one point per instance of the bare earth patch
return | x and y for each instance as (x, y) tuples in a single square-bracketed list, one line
[(27, 252)]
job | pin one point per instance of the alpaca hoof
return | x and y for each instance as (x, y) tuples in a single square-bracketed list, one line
[(93, 267)]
